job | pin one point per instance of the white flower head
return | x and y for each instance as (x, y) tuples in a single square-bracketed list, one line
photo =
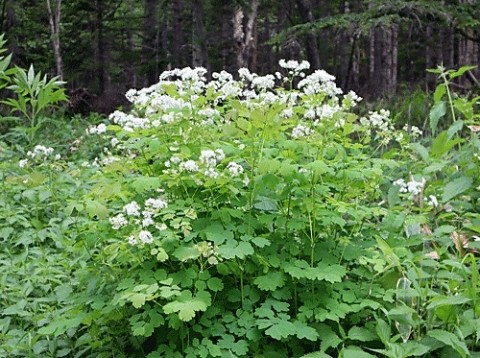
[(23, 163), (156, 204), (145, 237), (432, 201), (189, 166), (301, 131), (132, 209), (118, 221), (234, 169), (416, 187)]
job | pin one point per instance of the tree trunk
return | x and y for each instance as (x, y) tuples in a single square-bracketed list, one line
[(468, 53), (383, 60), (54, 15), (313, 56), (101, 49), (178, 41), (199, 41), (148, 41), (246, 40)]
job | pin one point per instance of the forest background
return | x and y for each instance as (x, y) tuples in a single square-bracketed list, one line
[(375, 47)]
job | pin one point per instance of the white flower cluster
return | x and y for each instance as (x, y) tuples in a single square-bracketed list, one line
[(414, 131), (381, 124), (235, 169), (210, 158), (132, 213), (413, 187), (294, 66), (101, 128), (129, 122), (319, 82), (301, 131), (39, 153)]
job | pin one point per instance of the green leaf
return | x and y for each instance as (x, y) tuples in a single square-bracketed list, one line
[(448, 300), (96, 209), (186, 306), (278, 328), (329, 339), (318, 354), (438, 110), (440, 91), (271, 281), (138, 299), (260, 242), (215, 284), (141, 184), (442, 144), (450, 340), (361, 334), (355, 352), (305, 332), (217, 234), (456, 187)]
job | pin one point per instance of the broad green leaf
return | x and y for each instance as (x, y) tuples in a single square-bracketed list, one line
[(305, 332), (138, 299), (450, 340), (271, 281), (217, 234), (361, 334), (278, 328), (440, 91), (186, 307), (438, 111), (328, 338), (260, 241), (355, 352), (318, 354), (141, 184), (456, 187), (448, 300), (215, 284)]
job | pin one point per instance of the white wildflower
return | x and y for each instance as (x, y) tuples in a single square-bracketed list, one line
[(432, 201), (132, 240), (132, 209), (189, 166), (234, 169), (208, 157), (416, 187), (161, 227), (402, 185), (156, 204), (145, 237), (118, 221), (301, 131), (23, 163)]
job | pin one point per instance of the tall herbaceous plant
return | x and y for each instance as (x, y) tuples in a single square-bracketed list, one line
[(241, 213)]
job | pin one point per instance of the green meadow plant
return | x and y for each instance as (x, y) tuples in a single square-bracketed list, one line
[(250, 217), (245, 219), (32, 98)]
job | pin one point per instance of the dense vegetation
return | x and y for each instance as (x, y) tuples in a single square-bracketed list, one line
[(259, 217), (375, 47)]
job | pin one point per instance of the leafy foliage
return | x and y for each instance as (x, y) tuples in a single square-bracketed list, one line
[(239, 218)]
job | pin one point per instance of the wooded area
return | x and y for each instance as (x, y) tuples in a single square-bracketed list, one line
[(374, 47)]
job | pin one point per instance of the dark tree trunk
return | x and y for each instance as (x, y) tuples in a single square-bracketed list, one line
[(383, 60), (103, 75), (199, 41), (313, 56), (148, 41), (54, 15), (178, 38), (246, 38)]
